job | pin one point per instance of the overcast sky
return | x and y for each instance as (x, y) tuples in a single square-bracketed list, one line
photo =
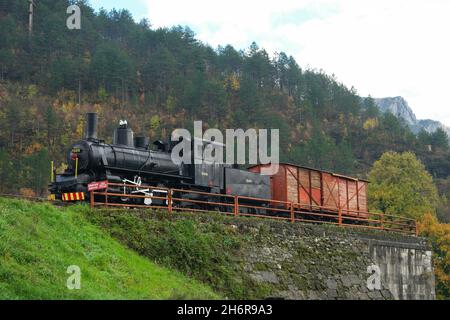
[(381, 47)]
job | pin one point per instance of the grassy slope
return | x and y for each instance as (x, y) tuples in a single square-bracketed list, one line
[(198, 245), (38, 242)]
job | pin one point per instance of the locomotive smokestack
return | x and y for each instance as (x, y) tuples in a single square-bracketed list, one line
[(90, 131), (123, 135)]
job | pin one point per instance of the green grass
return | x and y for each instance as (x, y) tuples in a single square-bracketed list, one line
[(38, 242), (198, 245)]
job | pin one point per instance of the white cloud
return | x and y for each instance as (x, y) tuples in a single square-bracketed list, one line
[(382, 48)]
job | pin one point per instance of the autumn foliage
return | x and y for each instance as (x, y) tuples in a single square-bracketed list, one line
[(439, 235), (401, 185)]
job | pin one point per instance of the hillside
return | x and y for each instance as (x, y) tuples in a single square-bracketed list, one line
[(38, 242)]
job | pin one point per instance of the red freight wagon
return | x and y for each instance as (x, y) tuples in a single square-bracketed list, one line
[(318, 190)]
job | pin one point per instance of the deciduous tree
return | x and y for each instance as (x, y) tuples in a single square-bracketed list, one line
[(401, 185)]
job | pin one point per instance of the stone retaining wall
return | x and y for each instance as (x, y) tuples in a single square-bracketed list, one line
[(304, 261)]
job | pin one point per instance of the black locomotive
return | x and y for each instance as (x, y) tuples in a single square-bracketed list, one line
[(133, 160)]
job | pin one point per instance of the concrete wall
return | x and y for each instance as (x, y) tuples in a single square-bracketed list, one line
[(327, 262), (406, 269)]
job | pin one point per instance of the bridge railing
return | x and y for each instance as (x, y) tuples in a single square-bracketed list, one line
[(175, 200)]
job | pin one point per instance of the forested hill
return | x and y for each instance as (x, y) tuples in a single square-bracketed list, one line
[(160, 79)]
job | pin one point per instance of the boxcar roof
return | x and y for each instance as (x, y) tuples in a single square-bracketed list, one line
[(313, 169)]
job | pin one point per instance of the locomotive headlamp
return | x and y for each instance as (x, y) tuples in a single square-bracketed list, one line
[(74, 153)]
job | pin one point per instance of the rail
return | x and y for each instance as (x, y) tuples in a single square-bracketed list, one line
[(176, 200)]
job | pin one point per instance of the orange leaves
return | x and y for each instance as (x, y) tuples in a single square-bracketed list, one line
[(439, 235), (371, 124), (26, 192), (33, 148)]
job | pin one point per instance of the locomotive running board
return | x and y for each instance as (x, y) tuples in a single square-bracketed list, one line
[(174, 176)]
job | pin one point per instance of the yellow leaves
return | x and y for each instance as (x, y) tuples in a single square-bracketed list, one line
[(371, 124), (67, 108), (87, 57), (439, 234), (61, 168), (80, 126), (102, 94), (32, 91), (430, 227), (232, 82), (170, 103), (4, 94), (2, 113), (155, 122), (98, 108)]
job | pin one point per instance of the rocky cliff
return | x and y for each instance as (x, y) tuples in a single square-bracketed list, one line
[(399, 107)]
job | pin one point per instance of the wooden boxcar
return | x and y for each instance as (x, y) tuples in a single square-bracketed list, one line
[(313, 189)]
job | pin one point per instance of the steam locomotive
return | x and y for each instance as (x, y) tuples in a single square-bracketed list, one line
[(131, 160)]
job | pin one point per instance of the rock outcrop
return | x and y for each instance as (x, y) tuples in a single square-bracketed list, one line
[(399, 107)]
